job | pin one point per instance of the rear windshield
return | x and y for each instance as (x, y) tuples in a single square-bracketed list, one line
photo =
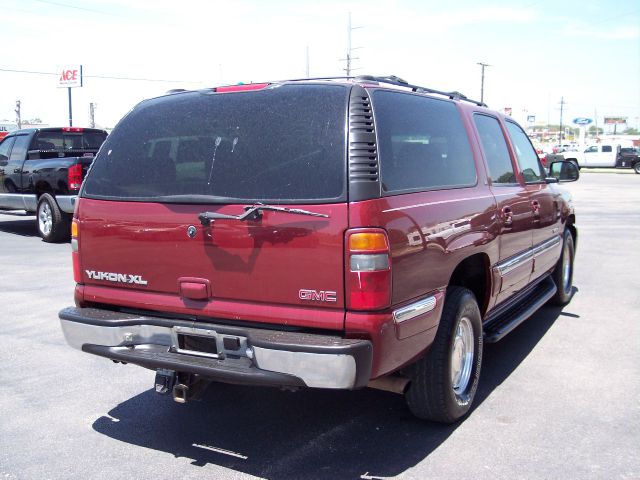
[(281, 144), (52, 140)]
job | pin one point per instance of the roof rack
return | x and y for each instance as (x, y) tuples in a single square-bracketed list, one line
[(393, 80), (389, 80)]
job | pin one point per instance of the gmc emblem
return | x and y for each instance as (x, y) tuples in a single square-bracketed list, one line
[(318, 296)]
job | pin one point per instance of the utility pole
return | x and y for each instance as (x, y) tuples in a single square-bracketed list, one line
[(482, 65), (18, 116), (350, 49), (92, 114), (562, 104), (70, 109)]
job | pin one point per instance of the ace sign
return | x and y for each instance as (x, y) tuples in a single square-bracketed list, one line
[(70, 76)]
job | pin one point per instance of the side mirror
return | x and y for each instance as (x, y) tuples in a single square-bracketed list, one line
[(564, 171)]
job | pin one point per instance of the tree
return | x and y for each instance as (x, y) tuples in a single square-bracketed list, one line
[(592, 130), (631, 131)]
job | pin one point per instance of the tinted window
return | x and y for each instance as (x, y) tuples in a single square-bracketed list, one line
[(5, 148), (527, 156), (277, 144), (19, 151), (607, 148), (422, 143), (495, 149), (52, 140)]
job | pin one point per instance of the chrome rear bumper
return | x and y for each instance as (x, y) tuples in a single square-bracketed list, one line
[(240, 355)]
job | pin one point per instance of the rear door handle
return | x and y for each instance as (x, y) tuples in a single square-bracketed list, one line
[(507, 216), (535, 206)]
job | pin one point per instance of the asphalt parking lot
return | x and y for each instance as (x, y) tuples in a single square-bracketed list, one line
[(558, 397)]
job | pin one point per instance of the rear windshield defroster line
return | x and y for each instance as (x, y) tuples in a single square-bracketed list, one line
[(277, 145)]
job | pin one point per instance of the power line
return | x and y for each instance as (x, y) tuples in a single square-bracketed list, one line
[(614, 17), (84, 9), (103, 76)]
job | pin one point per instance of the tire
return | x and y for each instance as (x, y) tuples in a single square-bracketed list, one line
[(563, 273), (444, 382), (53, 225), (636, 167)]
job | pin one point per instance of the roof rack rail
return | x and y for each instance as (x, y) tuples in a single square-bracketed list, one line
[(393, 80)]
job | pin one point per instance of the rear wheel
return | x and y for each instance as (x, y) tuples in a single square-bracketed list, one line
[(563, 273), (444, 382), (636, 167), (53, 225)]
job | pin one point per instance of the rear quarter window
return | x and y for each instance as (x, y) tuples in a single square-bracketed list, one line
[(423, 144)]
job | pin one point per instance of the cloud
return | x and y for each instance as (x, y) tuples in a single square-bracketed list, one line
[(619, 32)]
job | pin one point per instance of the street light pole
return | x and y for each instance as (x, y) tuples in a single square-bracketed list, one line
[(483, 65)]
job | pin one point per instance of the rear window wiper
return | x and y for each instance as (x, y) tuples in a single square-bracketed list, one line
[(254, 212)]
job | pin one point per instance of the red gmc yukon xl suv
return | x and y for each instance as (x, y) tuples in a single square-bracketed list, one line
[(328, 233)]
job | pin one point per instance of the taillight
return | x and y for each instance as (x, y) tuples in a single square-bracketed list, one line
[(74, 176), (73, 129), (368, 265), (75, 256)]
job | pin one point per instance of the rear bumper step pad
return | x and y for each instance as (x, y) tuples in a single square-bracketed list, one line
[(227, 371)]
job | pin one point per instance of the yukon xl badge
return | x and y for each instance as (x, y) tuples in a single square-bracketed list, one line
[(116, 277), (319, 296)]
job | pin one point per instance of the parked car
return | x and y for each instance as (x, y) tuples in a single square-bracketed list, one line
[(601, 155), (336, 233), (41, 170)]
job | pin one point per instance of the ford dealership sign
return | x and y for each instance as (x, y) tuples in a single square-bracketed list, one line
[(582, 121)]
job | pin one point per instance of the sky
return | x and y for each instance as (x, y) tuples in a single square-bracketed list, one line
[(585, 53)]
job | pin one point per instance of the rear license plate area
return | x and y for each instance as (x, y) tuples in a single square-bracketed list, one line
[(196, 341)]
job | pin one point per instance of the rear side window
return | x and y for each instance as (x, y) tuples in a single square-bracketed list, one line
[(495, 149), (423, 144), (19, 150), (607, 148), (5, 149), (283, 144)]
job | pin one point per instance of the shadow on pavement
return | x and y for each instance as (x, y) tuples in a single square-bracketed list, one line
[(25, 226), (306, 434)]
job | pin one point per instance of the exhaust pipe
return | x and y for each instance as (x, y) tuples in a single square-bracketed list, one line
[(394, 384)]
